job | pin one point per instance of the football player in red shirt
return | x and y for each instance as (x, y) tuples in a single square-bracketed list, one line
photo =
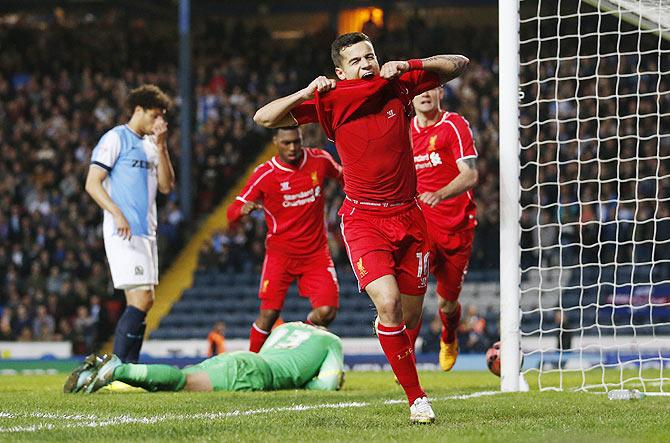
[(367, 114), (290, 187), (444, 158)]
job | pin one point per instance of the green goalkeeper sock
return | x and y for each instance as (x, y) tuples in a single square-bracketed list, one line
[(151, 377)]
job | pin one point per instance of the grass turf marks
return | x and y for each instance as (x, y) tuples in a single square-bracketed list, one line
[(370, 407)]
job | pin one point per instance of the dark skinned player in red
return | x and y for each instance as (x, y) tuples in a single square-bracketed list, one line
[(289, 189)]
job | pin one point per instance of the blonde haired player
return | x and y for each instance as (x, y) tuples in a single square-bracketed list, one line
[(128, 164), (445, 162)]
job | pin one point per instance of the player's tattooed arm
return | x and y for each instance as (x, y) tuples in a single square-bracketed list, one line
[(470, 162), (447, 66)]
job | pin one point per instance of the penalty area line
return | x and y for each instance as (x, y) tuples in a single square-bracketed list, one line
[(93, 421)]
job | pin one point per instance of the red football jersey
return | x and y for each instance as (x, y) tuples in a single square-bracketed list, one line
[(292, 200), (436, 150), (369, 122)]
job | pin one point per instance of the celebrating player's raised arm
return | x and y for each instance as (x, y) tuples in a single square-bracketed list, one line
[(447, 66), (277, 114)]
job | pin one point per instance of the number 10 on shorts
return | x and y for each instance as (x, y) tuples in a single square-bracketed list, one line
[(422, 271)]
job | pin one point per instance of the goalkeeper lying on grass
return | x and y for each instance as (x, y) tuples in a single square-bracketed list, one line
[(295, 356)]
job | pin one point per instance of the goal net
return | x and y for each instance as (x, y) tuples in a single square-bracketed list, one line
[(591, 244)]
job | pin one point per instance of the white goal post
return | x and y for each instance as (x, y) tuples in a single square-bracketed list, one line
[(584, 96)]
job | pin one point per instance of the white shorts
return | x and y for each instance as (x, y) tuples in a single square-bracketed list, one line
[(132, 263)]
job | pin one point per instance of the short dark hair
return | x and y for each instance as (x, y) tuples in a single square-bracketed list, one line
[(286, 128), (344, 41), (148, 97)]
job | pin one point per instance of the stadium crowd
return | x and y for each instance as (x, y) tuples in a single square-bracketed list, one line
[(592, 171), (62, 87)]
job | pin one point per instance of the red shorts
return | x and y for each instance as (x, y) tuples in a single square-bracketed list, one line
[(450, 255), (315, 274), (381, 244)]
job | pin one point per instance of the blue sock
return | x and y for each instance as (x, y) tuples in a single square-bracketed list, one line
[(129, 334)]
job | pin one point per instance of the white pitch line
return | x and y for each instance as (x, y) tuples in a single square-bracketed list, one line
[(451, 397), (92, 421)]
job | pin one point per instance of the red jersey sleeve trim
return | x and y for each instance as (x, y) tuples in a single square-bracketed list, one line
[(443, 119), (458, 135), (255, 183), (460, 139), (274, 220), (234, 211), (415, 123)]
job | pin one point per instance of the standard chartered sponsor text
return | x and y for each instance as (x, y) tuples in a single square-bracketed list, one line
[(302, 198)]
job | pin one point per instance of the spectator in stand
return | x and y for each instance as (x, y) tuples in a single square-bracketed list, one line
[(472, 331), (22, 322), (215, 339), (54, 103), (6, 331), (84, 331), (431, 335), (44, 325)]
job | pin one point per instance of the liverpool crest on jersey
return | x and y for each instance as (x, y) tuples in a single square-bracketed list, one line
[(431, 143)]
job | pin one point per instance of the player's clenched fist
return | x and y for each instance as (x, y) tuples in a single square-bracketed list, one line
[(321, 84), (432, 199), (250, 206), (394, 69)]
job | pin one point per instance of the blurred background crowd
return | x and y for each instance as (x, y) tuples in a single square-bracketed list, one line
[(63, 80), (63, 87)]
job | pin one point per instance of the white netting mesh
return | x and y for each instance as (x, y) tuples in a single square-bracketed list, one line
[(595, 193)]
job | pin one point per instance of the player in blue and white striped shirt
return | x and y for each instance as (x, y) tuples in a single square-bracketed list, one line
[(129, 163)]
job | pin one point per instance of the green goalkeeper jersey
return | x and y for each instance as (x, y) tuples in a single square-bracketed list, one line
[(295, 355)]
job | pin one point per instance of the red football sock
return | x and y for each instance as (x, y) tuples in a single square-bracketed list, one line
[(257, 337), (398, 349), (450, 324), (414, 333)]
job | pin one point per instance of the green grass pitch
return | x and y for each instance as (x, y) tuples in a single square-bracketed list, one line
[(370, 408)]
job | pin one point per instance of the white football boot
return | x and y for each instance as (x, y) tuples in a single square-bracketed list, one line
[(421, 412)]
